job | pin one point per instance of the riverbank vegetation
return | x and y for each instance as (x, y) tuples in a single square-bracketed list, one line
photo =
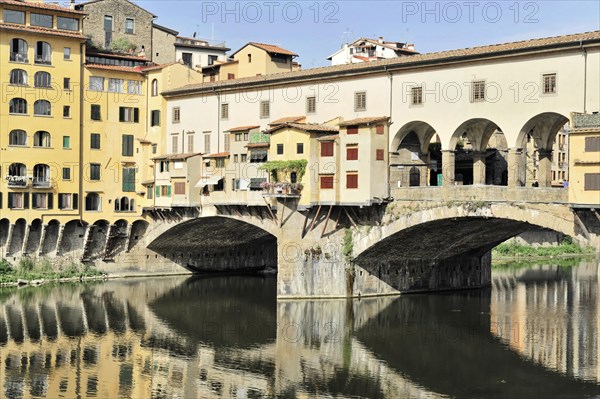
[(514, 249), (30, 269)]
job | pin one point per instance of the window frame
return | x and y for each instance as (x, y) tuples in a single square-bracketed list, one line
[(357, 101)]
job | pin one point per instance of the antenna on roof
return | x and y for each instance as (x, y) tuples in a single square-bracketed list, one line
[(346, 36), (194, 35)]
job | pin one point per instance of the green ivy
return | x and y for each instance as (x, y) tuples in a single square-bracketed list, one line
[(274, 167)]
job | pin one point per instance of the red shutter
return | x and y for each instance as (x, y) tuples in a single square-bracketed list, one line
[(327, 149), (352, 130), (379, 155), (352, 153), (352, 180), (379, 129), (326, 182)]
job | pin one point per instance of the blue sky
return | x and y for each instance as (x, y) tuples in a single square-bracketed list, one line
[(315, 30)]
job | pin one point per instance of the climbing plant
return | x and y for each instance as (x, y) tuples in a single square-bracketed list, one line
[(275, 167)]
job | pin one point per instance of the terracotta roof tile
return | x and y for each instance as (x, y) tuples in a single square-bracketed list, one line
[(110, 54), (218, 155), (269, 48), (257, 145), (45, 31), (331, 137), (155, 67), (364, 121), (114, 68), (307, 127), (287, 119), (242, 128), (176, 157), (45, 6), (397, 62)]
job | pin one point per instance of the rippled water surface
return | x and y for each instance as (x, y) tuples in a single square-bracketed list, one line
[(533, 334)]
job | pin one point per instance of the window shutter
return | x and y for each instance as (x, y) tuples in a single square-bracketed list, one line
[(136, 115), (128, 180), (121, 114), (75, 201), (25, 200), (157, 191), (10, 200), (50, 201), (124, 145), (168, 191)]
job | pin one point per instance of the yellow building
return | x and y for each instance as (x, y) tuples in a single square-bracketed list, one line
[(584, 183), (40, 57)]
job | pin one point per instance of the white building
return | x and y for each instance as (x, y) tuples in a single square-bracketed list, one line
[(366, 50), (198, 53)]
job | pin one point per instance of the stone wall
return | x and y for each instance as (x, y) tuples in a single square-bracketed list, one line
[(163, 46)]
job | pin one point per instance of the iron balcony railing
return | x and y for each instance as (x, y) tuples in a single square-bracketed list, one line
[(19, 57)]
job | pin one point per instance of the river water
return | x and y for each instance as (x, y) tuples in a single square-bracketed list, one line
[(533, 334)]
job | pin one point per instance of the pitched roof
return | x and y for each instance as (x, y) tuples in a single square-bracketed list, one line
[(307, 127), (45, 31), (364, 121), (111, 54), (388, 44), (45, 6), (117, 68), (287, 119), (155, 67), (269, 48), (330, 137), (176, 157), (81, 5), (242, 128), (217, 155), (257, 145), (417, 60), (165, 29)]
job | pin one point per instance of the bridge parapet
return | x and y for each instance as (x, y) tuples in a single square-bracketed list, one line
[(482, 193)]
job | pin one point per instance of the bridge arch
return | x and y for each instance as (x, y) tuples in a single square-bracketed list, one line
[(543, 128)]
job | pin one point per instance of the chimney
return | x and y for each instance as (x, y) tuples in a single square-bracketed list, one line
[(380, 39), (72, 4), (410, 46)]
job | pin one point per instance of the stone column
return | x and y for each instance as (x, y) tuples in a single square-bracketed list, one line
[(479, 167), (514, 167), (545, 168), (448, 166)]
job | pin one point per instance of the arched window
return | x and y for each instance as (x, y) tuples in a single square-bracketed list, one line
[(18, 77), (154, 88), (17, 169), (43, 53), (42, 107), (117, 204), (42, 79), (41, 139), (18, 50), (17, 137), (132, 205), (124, 204), (92, 202), (41, 175), (17, 106)]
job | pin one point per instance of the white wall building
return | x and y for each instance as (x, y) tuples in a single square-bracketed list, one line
[(197, 53), (366, 50)]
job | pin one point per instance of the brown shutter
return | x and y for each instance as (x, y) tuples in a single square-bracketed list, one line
[(592, 182)]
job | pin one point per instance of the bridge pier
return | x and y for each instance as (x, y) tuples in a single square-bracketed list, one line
[(545, 168)]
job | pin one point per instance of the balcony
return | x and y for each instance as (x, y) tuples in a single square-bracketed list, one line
[(41, 182), (282, 190), (42, 61), (17, 181), (19, 57)]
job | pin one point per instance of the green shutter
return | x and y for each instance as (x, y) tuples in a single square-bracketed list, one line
[(168, 190), (128, 180), (121, 114), (157, 191)]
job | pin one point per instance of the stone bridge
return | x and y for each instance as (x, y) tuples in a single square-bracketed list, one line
[(434, 238)]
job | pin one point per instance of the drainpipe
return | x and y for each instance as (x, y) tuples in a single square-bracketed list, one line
[(584, 76), (389, 189), (218, 120)]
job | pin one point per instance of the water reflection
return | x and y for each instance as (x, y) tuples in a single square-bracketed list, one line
[(533, 334)]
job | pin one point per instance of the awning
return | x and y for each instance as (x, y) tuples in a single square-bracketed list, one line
[(208, 181), (258, 154)]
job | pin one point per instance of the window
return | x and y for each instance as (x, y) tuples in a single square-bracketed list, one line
[(92, 202), (327, 149), (226, 143), (96, 83), (235, 158), (115, 85), (379, 155), (94, 171), (67, 83), (17, 137), (95, 141), (43, 53), (18, 50), (592, 144), (299, 148), (66, 111), (67, 53), (224, 111), (380, 129), (95, 111), (42, 79), (230, 76), (165, 191), (41, 139), (17, 106), (190, 143), (245, 136), (352, 153), (155, 118), (592, 181), (265, 109), (65, 201), (176, 115), (249, 58), (17, 175), (150, 192), (129, 114), (14, 17), (154, 88), (238, 137), (18, 77), (129, 179), (244, 158), (154, 148), (352, 180), (187, 59), (41, 201), (134, 87), (311, 105), (66, 173), (18, 200), (326, 182), (43, 20), (352, 130), (41, 175), (68, 23), (478, 91), (220, 162), (212, 59), (416, 97), (179, 188), (174, 143), (279, 149), (41, 108), (129, 26), (66, 141), (360, 101), (207, 142), (549, 83), (127, 145)]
